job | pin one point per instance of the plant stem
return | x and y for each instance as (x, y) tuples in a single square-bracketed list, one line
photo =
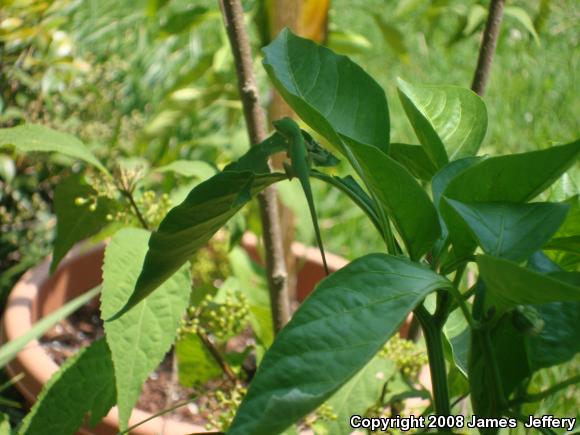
[(434, 342), (488, 45), (546, 393), (159, 414), (255, 123), (217, 357), (135, 208)]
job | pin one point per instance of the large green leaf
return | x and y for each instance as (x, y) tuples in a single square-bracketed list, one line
[(141, 337), (559, 339), (11, 348), (567, 238), (76, 222), (334, 333), (332, 94), (415, 159), (36, 138), (512, 178), (439, 183), (509, 285), (357, 395), (511, 231), (84, 384), (402, 196), (449, 121)]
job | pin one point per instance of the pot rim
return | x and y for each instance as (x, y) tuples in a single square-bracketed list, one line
[(33, 360)]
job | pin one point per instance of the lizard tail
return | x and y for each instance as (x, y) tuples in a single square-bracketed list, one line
[(321, 247)]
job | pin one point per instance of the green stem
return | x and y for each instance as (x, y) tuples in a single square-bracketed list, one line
[(546, 393), (433, 339)]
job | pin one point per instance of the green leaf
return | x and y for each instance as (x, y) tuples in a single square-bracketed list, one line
[(357, 395), (5, 424), (142, 336), (354, 191), (252, 283), (513, 178), (524, 19), (449, 121), (76, 222), (334, 333), (559, 339), (195, 363), (11, 348), (84, 384), (511, 231), (567, 238), (332, 94), (414, 158), (509, 285), (189, 168), (394, 38), (36, 138), (347, 42), (402, 196), (191, 224), (475, 18), (186, 20)]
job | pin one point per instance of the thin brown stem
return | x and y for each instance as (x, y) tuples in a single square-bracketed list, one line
[(135, 208), (217, 356), (488, 45), (256, 125)]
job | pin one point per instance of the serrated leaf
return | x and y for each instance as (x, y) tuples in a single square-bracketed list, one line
[(332, 94), (195, 363), (189, 226), (84, 384), (334, 333), (189, 168), (511, 231), (141, 337), (449, 121), (76, 222), (509, 285), (357, 395), (402, 197), (36, 138)]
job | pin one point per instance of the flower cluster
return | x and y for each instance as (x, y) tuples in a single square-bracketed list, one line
[(223, 320), (406, 354)]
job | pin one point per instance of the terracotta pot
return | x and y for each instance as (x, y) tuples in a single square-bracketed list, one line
[(37, 294)]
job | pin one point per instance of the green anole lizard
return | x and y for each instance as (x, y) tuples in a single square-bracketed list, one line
[(300, 168)]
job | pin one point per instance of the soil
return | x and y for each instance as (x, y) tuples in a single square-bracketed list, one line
[(161, 390)]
